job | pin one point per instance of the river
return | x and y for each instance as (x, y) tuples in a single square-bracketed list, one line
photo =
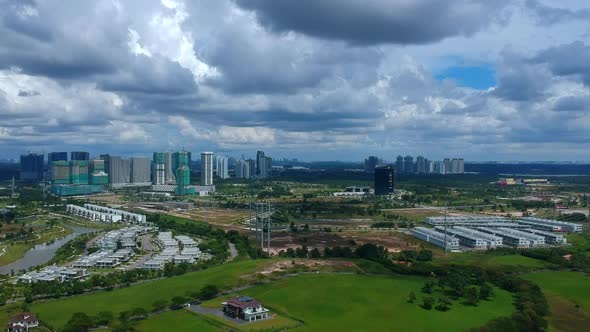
[(42, 253)]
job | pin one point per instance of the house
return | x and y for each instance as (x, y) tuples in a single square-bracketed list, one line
[(245, 308), (22, 322)]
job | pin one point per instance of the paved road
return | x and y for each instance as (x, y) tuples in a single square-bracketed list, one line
[(233, 252)]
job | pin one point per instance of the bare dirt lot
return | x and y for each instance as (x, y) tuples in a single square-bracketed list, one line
[(393, 241)]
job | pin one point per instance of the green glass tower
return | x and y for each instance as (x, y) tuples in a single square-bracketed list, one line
[(180, 159), (183, 179)]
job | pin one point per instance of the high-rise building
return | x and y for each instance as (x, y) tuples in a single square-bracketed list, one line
[(408, 164), (259, 161), (159, 167), (140, 170), (384, 180), (98, 174), (169, 176), (420, 165), (447, 166), (371, 163), (251, 167), (31, 167), (399, 164), (242, 169), (79, 155), (56, 156), (79, 171), (206, 168), (221, 167), (60, 172), (119, 170), (179, 159), (183, 179)]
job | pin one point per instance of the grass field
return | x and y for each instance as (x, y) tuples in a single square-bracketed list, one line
[(57, 312), (177, 320), (490, 260), (348, 302), (568, 294)]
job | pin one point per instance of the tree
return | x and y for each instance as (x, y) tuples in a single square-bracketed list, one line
[(443, 304), (471, 295), (315, 253), (79, 322), (208, 292), (412, 297), (427, 302), (103, 318), (428, 287), (177, 302), (139, 313), (424, 255), (159, 305), (485, 292)]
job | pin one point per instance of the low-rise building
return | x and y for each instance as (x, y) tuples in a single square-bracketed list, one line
[(245, 308), (21, 322)]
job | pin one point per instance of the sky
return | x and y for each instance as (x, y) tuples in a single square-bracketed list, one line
[(307, 79)]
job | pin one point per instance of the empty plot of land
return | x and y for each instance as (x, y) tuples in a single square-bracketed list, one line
[(216, 216)]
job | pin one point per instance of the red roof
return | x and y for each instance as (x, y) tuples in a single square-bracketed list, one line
[(26, 317), (243, 302)]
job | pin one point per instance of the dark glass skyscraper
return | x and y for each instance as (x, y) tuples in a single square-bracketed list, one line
[(384, 180), (79, 155), (56, 156), (31, 167)]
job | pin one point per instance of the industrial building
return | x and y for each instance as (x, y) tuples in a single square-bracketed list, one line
[(472, 238), (552, 225), (515, 238), (552, 238), (484, 232), (438, 239)]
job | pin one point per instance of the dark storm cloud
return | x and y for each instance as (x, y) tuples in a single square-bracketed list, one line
[(376, 21), (23, 93), (154, 75), (573, 103), (552, 15), (568, 59)]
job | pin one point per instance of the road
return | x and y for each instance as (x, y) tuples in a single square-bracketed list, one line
[(233, 252)]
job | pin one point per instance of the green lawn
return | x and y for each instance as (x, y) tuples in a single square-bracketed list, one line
[(568, 294), (15, 251), (57, 312), (491, 260), (349, 302), (177, 320)]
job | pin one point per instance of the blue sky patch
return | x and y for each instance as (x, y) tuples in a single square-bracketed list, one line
[(477, 77)]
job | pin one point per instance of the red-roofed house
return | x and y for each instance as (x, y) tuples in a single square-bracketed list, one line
[(22, 322), (245, 308)]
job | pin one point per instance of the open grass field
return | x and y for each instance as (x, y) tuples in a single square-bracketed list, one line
[(568, 294), (57, 312), (177, 320), (490, 260), (349, 302)]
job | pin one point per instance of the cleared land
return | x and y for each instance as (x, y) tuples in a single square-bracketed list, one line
[(348, 302), (568, 294)]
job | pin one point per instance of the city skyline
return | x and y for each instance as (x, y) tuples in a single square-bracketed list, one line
[(506, 77)]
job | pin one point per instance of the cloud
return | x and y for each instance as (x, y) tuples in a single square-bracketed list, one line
[(554, 15), (376, 21)]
